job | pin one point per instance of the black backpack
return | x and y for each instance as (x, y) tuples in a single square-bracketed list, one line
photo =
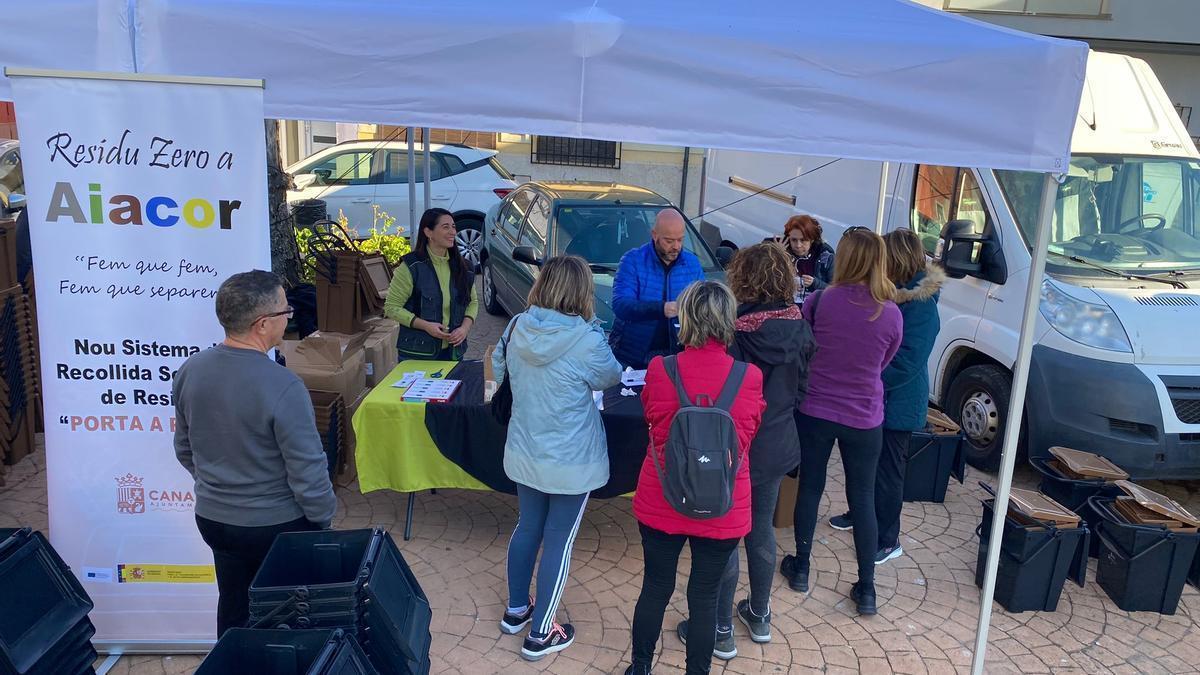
[(701, 456)]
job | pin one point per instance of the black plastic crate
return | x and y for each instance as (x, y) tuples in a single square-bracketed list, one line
[(1194, 576), (313, 573), (932, 460), (80, 661), (1035, 562), (286, 652), (396, 599), (354, 579), (390, 652), (69, 652), (1142, 568), (41, 601), (1074, 494)]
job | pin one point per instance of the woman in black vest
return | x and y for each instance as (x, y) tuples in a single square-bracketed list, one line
[(432, 295)]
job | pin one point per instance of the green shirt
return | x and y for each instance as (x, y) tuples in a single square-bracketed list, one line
[(401, 290)]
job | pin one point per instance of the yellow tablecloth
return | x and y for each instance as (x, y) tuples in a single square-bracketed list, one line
[(394, 450)]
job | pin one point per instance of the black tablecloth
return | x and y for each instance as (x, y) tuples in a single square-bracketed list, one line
[(466, 433)]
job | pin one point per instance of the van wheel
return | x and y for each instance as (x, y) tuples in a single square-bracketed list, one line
[(978, 401), (490, 302)]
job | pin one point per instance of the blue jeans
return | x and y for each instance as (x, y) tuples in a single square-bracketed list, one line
[(550, 523)]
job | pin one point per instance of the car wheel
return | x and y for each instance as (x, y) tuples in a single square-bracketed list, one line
[(978, 401), (469, 240), (490, 302)]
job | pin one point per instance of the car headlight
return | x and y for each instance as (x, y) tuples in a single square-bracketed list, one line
[(1084, 322)]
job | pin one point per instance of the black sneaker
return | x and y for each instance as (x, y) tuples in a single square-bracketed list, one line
[(796, 575), (759, 626), (864, 596), (842, 522), (638, 669), (514, 623), (559, 638), (724, 647), (886, 554)]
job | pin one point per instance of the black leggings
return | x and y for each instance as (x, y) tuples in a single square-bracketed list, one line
[(661, 552), (860, 456)]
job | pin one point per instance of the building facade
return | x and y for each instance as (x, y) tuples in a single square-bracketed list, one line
[(1164, 33), (531, 157)]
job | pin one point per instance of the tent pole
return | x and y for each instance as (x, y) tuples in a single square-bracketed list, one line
[(1016, 408), (425, 152), (412, 185), (883, 176)]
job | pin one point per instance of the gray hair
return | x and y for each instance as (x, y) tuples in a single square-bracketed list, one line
[(244, 297), (707, 310)]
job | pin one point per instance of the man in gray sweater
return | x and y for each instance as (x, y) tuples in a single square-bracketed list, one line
[(245, 430)]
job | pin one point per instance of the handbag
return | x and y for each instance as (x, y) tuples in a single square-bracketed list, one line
[(502, 400)]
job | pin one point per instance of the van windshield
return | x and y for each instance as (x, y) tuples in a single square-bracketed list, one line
[(1129, 213)]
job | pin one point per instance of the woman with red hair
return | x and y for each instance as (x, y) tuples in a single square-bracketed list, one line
[(811, 256)]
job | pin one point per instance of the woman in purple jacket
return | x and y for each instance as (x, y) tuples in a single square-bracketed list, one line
[(857, 328)]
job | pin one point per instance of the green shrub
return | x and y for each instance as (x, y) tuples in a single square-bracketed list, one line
[(392, 246)]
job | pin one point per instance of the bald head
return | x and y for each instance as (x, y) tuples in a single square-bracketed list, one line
[(668, 233)]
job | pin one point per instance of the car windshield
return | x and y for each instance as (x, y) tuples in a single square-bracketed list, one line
[(1134, 214), (602, 234)]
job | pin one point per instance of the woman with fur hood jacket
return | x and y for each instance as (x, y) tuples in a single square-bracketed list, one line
[(905, 381)]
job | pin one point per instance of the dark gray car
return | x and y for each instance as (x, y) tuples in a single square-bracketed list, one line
[(597, 221)]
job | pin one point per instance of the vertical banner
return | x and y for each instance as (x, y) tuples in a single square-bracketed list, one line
[(143, 197)]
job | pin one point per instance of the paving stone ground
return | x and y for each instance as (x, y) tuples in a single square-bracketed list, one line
[(926, 622), (928, 600)]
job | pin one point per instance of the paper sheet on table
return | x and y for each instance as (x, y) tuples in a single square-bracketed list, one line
[(406, 381)]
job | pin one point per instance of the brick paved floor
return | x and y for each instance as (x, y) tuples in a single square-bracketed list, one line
[(928, 600), (926, 622)]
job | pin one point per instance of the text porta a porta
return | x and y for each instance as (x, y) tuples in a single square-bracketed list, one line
[(160, 211)]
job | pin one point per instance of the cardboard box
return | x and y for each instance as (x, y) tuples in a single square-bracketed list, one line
[(381, 356), (348, 471), (381, 349), (334, 363), (785, 508), (489, 373)]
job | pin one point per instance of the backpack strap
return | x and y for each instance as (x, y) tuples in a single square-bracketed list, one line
[(733, 383), (672, 368)]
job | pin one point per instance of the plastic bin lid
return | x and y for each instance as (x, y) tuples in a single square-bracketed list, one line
[(1088, 464), (1038, 506), (1158, 503), (939, 424)]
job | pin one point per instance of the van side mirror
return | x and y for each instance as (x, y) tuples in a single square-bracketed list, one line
[(963, 252), (526, 254), (724, 255)]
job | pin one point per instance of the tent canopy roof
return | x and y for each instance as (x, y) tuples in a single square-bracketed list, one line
[(869, 79)]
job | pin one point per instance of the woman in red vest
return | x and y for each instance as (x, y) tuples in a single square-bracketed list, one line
[(707, 311)]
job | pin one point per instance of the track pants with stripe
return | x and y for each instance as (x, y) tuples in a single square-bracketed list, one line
[(549, 522)]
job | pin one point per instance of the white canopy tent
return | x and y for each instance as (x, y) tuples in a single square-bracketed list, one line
[(869, 79)]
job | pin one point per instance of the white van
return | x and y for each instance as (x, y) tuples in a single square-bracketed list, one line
[(1116, 365)]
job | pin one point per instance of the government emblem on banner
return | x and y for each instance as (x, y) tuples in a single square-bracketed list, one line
[(131, 496)]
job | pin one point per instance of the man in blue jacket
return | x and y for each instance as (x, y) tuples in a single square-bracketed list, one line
[(648, 281)]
